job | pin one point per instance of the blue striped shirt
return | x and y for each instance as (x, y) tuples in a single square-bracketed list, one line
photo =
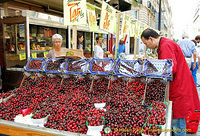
[(187, 47)]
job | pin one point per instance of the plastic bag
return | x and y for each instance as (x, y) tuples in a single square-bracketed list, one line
[(131, 68), (76, 66), (35, 64)]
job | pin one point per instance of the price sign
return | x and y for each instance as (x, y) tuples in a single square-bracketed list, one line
[(22, 56)]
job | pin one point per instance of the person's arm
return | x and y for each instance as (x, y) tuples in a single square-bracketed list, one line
[(124, 49)]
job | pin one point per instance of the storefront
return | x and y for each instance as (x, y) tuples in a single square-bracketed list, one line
[(30, 35)]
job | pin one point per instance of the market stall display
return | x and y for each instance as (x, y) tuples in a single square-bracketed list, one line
[(89, 103)]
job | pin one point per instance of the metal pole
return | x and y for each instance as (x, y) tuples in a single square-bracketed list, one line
[(159, 19)]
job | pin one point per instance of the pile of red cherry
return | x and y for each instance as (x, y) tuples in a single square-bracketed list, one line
[(35, 64), (71, 104)]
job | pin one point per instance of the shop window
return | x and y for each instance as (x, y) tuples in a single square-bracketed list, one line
[(14, 41)]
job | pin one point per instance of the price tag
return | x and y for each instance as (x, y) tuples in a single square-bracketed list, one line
[(22, 56), (45, 54), (34, 55)]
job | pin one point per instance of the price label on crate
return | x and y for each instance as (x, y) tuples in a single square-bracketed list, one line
[(22, 56)]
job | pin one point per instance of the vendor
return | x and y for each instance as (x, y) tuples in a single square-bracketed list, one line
[(80, 41), (98, 51), (57, 43)]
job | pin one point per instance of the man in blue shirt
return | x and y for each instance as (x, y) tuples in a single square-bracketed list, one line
[(121, 47), (188, 49)]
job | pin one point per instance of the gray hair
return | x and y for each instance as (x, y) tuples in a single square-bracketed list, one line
[(57, 36)]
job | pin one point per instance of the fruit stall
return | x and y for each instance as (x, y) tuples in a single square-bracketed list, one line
[(99, 97)]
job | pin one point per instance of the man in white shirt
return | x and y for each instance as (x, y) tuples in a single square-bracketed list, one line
[(98, 51)]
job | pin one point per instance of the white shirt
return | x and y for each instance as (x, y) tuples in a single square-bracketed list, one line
[(98, 52), (198, 54)]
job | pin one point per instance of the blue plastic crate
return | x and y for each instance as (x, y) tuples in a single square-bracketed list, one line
[(106, 66), (80, 67), (36, 69), (58, 65), (128, 68)]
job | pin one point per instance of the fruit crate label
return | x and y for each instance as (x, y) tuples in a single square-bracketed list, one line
[(77, 67), (101, 66), (55, 65), (35, 64), (157, 68), (130, 68)]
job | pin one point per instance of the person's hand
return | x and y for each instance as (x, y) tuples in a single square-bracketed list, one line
[(193, 66)]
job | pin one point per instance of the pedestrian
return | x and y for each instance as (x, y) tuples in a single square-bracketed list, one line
[(98, 51), (121, 48), (188, 49), (57, 43), (182, 90), (194, 71), (80, 41)]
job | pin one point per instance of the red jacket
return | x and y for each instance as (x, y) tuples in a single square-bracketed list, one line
[(182, 91)]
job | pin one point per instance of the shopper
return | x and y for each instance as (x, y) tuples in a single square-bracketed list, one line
[(80, 41), (121, 48), (182, 91), (98, 51), (197, 39), (57, 43), (188, 49), (194, 71)]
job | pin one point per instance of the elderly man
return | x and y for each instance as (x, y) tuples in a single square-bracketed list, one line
[(188, 49), (182, 91)]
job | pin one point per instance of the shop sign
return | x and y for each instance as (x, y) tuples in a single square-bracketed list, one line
[(92, 18), (34, 55), (75, 12), (22, 56), (45, 53), (125, 25), (107, 20), (132, 30)]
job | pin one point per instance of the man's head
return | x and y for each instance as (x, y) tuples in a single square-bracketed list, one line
[(150, 38), (121, 41), (197, 38), (185, 36), (99, 40)]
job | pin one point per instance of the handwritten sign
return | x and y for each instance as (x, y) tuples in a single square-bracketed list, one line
[(45, 53), (22, 56), (34, 55), (92, 18), (107, 16), (75, 12), (125, 24), (132, 30)]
